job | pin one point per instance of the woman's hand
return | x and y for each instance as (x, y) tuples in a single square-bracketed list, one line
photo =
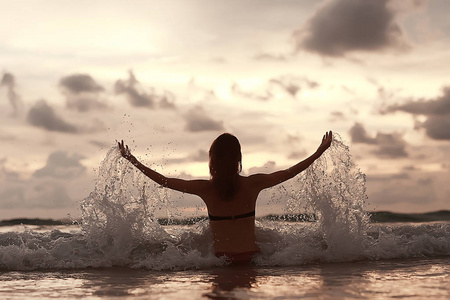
[(126, 153), (326, 142)]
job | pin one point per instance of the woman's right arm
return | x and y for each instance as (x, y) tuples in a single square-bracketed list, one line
[(185, 186), (263, 181)]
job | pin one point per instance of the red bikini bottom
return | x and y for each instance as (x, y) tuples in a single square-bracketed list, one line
[(238, 257)]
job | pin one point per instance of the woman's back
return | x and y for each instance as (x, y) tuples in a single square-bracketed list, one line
[(233, 220)]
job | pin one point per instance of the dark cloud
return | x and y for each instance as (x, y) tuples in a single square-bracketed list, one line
[(198, 120), (42, 115), (439, 106), (292, 85), (358, 134), (62, 165), (138, 98), (438, 127), (437, 111), (389, 145), (80, 83), (9, 82), (337, 116), (342, 26), (82, 92), (167, 101)]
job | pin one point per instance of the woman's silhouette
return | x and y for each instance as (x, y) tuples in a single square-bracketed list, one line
[(230, 198)]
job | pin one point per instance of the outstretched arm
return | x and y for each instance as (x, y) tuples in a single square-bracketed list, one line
[(185, 186), (263, 181)]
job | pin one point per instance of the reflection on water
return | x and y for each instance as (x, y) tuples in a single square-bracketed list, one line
[(412, 279), (235, 282)]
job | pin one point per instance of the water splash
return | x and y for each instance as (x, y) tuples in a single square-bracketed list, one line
[(118, 217), (119, 227), (334, 188)]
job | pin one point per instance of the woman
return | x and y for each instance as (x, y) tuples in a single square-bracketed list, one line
[(230, 198)]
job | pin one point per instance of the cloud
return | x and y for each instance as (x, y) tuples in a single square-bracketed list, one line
[(82, 92), (80, 83), (100, 144), (200, 156), (438, 127), (390, 145), (359, 135), (36, 194), (400, 188), (237, 90), (167, 101), (292, 85), (337, 116), (437, 111), (439, 106), (42, 115), (62, 165), (84, 103), (343, 26), (297, 154), (138, 98), (9, 82), (288, 84), (197, 120)]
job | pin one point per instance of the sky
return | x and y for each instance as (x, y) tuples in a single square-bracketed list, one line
[(170, 76)]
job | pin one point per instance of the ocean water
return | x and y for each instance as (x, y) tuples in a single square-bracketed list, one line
[(120, 250)]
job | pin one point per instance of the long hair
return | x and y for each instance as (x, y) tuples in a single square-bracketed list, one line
[(225, 163)]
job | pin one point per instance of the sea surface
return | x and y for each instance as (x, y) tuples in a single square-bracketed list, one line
[(406, 260), (325, 246)]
